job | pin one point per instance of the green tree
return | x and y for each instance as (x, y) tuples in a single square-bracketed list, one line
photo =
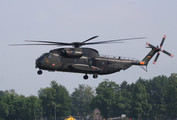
[(7, 107), (81, 99), (125, 99), (53, 97), (105, 98), (31, 107), (1, 93), (11, 91), (172, 96), (48, 102), (19, 105), (4, 110), (140, 106), (157, 89)]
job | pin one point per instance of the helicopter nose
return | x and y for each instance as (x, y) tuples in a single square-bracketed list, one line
[(38, 63)]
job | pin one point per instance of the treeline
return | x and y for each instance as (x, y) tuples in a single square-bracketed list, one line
[(145, 99)]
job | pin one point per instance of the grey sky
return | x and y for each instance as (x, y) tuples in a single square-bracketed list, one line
[(71, 21)]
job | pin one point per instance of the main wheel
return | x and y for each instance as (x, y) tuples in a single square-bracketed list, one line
[(95, 76), (39, 72), (85, 77)]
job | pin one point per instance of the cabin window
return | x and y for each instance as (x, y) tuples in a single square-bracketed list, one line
[(75, 60), (55, 54), (59, 59), (90, 62)]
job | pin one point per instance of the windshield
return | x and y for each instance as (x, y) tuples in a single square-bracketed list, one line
[(44, 55)]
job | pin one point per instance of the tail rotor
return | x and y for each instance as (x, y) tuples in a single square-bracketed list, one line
[(158, 49)]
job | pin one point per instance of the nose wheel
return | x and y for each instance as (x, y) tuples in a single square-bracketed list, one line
[(95, 76), (39, 72), (85, 77)]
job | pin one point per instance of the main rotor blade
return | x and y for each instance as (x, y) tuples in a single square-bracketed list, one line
[(96, 43), (164, 51), (163, 39), (56, 43), (77, 44), (113, 41), (90, 39), (156, 58), (29, 44)]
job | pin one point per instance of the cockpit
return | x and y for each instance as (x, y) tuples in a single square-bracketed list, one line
[(43, 56), (46, 58)]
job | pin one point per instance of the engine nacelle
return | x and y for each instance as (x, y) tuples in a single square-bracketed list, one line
[(71, 52)]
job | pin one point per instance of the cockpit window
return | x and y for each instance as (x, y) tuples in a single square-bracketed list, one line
[(55, 54), (49, 56), (59, 59), (43, 55)]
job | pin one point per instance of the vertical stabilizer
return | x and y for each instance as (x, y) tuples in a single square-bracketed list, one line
[(149, 56)]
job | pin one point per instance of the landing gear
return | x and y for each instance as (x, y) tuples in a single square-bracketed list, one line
[(39, 72), (95, 76), (85, 77)]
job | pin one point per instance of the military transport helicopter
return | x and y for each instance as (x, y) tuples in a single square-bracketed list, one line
[(88, 60)]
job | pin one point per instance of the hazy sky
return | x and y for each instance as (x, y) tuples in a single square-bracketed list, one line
[(78, 20)]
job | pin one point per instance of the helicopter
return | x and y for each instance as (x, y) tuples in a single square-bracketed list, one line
[(78, 59)]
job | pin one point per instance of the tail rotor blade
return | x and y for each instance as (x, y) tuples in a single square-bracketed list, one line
[(156, 58), (163, 39), (164, 51), (152, 46)]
